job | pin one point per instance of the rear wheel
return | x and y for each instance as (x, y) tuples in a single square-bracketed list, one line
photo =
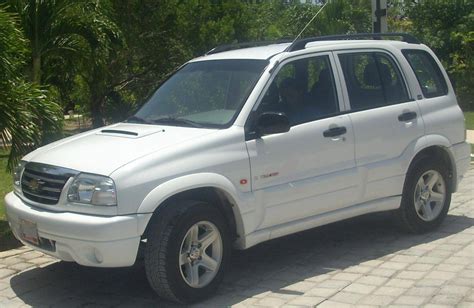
[(187, 251), (426, 196)]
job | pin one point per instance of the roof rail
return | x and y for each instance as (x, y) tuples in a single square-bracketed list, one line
[(229, 47), (301, 43)]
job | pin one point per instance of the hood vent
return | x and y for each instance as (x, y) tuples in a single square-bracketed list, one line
[(129, 130), (117, 131)]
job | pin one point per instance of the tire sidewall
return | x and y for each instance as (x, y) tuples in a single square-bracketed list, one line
[(415, 223), (198, 212)]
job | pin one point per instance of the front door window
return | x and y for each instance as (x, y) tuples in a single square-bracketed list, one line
[(304, 90)]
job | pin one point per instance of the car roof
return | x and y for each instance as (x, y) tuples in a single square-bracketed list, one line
[(261, 52), (269, 51)]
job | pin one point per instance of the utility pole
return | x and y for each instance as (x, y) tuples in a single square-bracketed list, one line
[(379, 16)]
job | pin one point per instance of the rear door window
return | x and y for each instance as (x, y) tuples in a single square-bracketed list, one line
[(427, 72), (373, 80)]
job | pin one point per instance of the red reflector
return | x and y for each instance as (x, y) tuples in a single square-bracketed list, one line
[(243, 181)]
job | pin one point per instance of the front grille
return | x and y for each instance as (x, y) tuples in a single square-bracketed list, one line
[(43, 183)]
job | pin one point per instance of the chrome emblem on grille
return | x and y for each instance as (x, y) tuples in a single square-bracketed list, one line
[(34, 185)]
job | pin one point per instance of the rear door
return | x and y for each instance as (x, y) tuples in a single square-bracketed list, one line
[(385, 118)]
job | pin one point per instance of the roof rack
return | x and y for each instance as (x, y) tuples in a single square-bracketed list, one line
[(229, 47), (301, 43)]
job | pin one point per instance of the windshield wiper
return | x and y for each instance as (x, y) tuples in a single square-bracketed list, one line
[(135, 119), (173, 120)]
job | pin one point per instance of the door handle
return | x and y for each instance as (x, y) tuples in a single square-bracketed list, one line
[(407, 116), (334, 132)]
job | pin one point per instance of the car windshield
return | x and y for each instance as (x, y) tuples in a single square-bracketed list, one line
[(202, 94)]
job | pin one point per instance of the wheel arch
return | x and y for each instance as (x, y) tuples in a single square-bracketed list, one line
[(214, 189), (435, 146)]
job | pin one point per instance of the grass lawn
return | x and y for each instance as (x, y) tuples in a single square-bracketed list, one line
[(7, 241), (469, 116)]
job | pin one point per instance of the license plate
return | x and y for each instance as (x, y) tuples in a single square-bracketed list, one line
[(29, 231)]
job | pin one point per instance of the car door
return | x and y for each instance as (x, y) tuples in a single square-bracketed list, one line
[(310, 169), (385, 119)]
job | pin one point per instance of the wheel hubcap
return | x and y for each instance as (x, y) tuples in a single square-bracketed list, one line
[(194, 254), (430, 194), (200, 254)]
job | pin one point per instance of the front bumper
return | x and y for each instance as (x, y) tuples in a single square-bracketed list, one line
[(89, 240)]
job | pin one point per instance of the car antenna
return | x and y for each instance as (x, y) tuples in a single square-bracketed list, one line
[(314, 17)]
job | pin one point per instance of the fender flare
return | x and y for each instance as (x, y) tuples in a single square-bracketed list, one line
[(430, 141), (162, 192)]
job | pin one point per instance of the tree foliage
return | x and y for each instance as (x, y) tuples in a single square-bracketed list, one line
[(70, 39), (105, 57), (446, 26), (27, 115), (161, 35)]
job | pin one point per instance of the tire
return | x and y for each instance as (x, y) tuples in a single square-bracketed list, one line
[(169, 233), (414, 215)]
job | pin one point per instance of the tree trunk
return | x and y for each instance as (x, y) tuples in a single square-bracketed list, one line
[(96, 111), (36, 73), (97, 98)]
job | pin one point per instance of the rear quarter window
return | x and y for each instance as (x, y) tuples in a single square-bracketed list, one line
[(427, 72)]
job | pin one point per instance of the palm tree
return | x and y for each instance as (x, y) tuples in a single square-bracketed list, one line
[(64, 31), (69, 39), (26, 113)]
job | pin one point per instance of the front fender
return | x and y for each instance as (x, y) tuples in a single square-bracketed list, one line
[(172, 187), (199, 180)]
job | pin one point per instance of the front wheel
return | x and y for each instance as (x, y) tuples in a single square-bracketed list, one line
[(187, 251), (201, 254), (426, 196)]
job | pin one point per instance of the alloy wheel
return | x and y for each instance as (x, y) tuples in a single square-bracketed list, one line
[(200, 254), (430, 194)]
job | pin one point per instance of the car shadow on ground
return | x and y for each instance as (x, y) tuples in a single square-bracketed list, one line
[(271, 266), (7, 240)]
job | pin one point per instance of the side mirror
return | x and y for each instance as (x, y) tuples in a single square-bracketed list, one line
[(269, 123)]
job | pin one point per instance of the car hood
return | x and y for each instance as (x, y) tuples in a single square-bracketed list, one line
[(104, 150)]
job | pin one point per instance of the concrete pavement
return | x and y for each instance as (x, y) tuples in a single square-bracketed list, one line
[(470, 136), (365, 262)]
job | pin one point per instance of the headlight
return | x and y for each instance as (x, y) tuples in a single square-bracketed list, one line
[(92, 189), (17, 175)]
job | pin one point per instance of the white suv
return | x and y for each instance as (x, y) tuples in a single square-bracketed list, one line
[(244, 145)]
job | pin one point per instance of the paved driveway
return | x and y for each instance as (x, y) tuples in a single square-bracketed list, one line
[(364, 261)]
